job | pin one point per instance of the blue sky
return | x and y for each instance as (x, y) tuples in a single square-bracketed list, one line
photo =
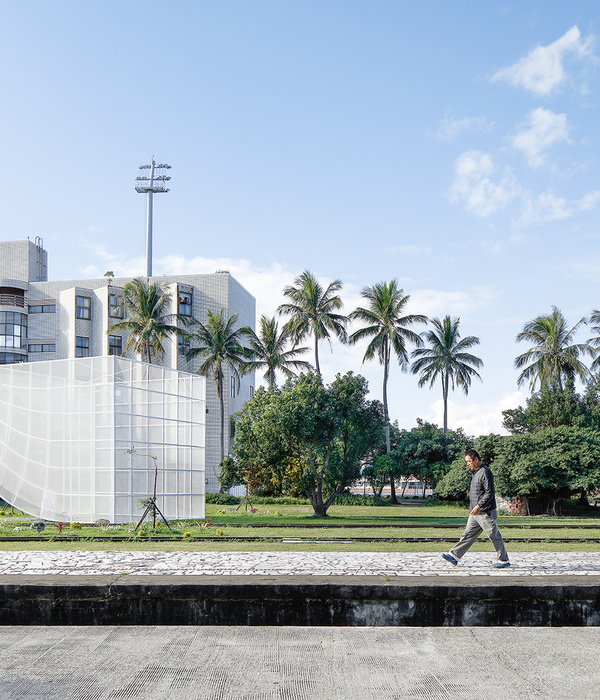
[(451, 145)]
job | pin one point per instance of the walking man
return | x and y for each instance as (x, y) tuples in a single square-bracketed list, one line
[(483, 515)]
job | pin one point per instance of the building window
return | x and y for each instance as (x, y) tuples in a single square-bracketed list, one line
[(42, 309), (231, 429), (115, 306), (42, 347), (84, 307), (183, 345), (115, 345), (11, 358), (185, 303), (82, 347), (13, 330), (232, 384)]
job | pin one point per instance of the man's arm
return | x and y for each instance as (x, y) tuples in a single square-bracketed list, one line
[(487, 485)]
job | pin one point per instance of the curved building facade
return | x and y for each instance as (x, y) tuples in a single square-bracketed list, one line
[(79, 439)]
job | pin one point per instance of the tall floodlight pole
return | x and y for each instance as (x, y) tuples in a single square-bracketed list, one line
[(155, 183)]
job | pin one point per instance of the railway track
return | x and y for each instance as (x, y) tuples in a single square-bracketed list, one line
[(287, 539)]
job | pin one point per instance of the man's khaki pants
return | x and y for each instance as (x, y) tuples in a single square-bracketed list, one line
[(485, 522)]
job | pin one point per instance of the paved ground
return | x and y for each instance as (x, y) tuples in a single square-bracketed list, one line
[(283, 663), (293, 564)]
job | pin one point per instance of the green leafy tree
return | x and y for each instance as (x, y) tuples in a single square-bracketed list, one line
[(319, 434), (313, 311), (594, 341), (220, 346), (553, 358), (446, 359), (269, 351), (388, 328), (549, 464), (146, 318), (260, 447), (552, 408), (455, 483), (378, 473), (230, 475), (425, 452)]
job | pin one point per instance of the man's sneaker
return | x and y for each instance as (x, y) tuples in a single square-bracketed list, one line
[(501, 565), (450, 558)]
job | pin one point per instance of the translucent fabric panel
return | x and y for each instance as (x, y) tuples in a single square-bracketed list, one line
[(184, 458), (170, 482), (198, 482), (66, 435), (103, 482), (123, 481), (185, 411), (140, 482)]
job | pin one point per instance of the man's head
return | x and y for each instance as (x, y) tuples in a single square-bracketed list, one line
[(473, 459)]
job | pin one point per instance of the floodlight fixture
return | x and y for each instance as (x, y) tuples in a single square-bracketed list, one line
[(154, 183)]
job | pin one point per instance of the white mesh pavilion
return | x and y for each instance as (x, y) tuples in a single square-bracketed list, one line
[(66, 427)]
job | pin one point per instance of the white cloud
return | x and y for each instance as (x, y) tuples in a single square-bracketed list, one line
[(548, 207), (542, 70), (434, 303), (543, 129), (589, 201), (450, 127), (408, 250), (476, 417), (474, 187)]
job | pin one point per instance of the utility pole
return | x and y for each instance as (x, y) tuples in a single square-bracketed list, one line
[(156, 182)]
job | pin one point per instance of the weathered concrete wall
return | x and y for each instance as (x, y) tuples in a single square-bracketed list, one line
[(275, 602)]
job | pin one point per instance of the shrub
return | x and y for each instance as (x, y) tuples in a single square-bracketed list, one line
[(280, 500), (351, 499), (222, 499), (75, 525)]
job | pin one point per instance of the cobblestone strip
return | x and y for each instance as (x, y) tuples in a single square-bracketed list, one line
[(316, 564)]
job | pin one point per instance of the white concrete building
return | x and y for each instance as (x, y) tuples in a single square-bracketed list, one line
[(43, 320)]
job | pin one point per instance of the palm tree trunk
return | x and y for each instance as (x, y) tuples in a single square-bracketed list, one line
[(222, 429), (317, 367), (445, 395), (388, 442), (386, 369)]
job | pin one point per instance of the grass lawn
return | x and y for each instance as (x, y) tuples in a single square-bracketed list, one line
[(284, 521)]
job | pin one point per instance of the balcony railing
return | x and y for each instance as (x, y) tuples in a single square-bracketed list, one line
[(13, 300)]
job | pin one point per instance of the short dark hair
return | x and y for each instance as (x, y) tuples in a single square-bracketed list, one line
[(473, 454)]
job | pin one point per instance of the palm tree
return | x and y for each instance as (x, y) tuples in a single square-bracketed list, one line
[(553, 357), (446, 359), (269, 351), (594, 342), (146, 319), (220, 347), (312, 311), (389, 331)]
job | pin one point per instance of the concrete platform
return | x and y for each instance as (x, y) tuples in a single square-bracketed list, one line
[(301, 589), (282, 663)]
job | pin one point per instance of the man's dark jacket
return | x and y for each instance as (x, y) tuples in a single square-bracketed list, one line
[(482, 491)]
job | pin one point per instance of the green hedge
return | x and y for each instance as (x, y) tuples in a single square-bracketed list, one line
[(344, 499), (222, 499), (352, 499)]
